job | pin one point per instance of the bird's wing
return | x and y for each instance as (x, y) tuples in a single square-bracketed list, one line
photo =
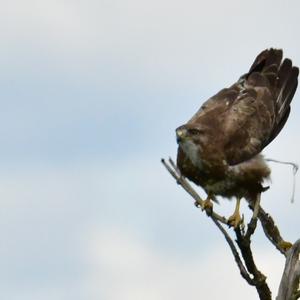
[(215, 103), (259, 111), (247, 116), (247, 125)]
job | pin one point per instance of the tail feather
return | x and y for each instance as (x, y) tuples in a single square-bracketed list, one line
[(287, 90), (271, 69), (265, 59), (284, 71), (283, 82)]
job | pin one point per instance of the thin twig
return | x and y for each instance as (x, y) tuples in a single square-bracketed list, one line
[(289, 285), (188, 188), (271, 231), (217, 219), (243, 241), (295, 170), (253, 222), (259, 279), (235, 253)]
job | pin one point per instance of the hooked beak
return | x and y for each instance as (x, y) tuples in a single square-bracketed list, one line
[(180, 134)]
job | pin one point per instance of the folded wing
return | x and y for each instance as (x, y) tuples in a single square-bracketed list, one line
[(252, 112)]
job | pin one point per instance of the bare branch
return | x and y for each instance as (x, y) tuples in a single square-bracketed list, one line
[(214, 216), (188, 188), (271, 231), (253, 222), (259, 279), (289, 285), (243, 240), (235, 253)]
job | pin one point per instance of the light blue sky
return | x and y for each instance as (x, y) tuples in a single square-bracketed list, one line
[(90, 95)]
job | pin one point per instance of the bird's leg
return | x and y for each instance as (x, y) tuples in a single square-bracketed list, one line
[(207, 204), (256, 206), (235, 219)]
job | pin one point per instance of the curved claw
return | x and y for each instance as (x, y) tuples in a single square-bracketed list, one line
[(207, 205), (235, 220), (285, 245)]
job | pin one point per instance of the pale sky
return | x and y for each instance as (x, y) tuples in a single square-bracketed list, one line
[(91, 93)]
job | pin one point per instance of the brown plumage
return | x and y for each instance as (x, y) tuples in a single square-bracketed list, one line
[(219, 148)]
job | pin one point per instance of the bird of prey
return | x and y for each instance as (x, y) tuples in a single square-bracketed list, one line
[(219, 147)]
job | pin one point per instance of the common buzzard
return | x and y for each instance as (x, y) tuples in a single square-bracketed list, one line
[(219, 147)]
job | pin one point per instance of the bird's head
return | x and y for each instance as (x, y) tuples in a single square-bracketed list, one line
[(192, 138), (191, 133), (195, 141)]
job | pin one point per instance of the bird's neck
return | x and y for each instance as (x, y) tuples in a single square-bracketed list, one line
[(193, 152), (205, 160)]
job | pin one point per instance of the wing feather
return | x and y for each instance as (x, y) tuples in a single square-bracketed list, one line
[(251, 113)]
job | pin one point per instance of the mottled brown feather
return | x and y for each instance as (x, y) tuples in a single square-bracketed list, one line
[(235, 125)]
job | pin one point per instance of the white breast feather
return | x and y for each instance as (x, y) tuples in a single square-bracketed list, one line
[(191, 150)]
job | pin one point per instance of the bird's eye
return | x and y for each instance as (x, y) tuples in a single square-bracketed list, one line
[(194, 131)]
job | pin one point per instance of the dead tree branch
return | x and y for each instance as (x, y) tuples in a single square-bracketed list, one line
[(247, 266), (188, 188), (235, 253), (259, 279), (289, 285), (272, 232)]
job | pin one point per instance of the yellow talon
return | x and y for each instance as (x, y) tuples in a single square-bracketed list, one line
[(235, 220), (285, 245), (207, 204)]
